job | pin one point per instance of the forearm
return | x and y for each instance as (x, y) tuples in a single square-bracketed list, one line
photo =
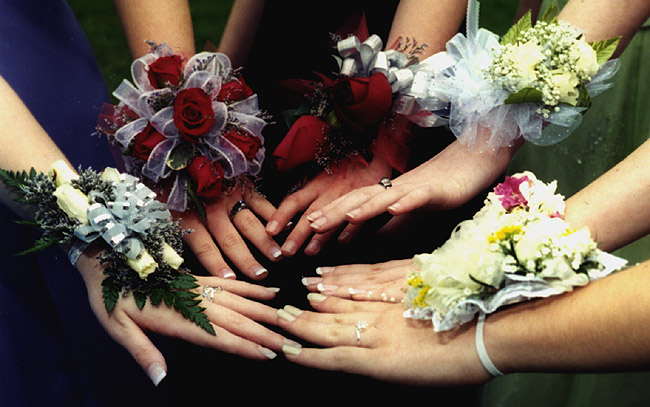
[(167, 21), (601, 327), (240, 30), (428, 22)]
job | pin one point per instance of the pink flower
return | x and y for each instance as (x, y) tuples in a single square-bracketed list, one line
[(510, 195)]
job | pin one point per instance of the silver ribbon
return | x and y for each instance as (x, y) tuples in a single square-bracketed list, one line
[(134, 212)]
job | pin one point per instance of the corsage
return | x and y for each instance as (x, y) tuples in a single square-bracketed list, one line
[(517, 247), (190, 127), (143, 245)]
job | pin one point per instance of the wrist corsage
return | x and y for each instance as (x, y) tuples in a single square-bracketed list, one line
[(190, 127), (143, 255), (534, 82), (345, 115), (517, 247)]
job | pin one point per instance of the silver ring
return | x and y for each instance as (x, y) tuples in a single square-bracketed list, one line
[(385, 182), (237, 207), (209, 291), (359, 327)]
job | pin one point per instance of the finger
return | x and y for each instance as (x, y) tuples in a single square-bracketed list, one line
[(140, 347), (260, 205), (297, 238), (253, 230), (346, 359), (241, 288), (387, 292), (232, 244), (318, 242), (376, 205), (252, 309), (335, 213), (202, 245), (335, 305), (289, 208), (363, 269), (348, 233)]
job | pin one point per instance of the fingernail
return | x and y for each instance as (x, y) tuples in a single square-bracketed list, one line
[(259, 270), (318, 223), (326, 287), (314, 215), (272, 227), (353, 291), (324, 270), (291, 350), (156, 373), (292, 310), (313, 247), (276, 252), (394, 207), (344, 237), (283, 314), (311, 280), (267, 352), (289, 342), (288, 225), (273, 289), (289, 247), (353, 213), (316, 297)]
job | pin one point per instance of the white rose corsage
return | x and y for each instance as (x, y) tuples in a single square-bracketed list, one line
[(143, 255), (535, 82), (517, 247)]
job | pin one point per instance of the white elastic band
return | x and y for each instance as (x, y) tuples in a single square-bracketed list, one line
[(480, 348)]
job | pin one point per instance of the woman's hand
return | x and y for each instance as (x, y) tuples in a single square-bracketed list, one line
[(222, 235), (363, 282), (374, 339), (235, 319), (448, 180), (318, 192)]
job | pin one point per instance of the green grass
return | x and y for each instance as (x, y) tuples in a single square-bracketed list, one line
[(99, 21)]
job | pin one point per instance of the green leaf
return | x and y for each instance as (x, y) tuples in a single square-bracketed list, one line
[(524, 23), (31, 223), (156, 296), (584, 100), (169, 298), (110, 294), (14, 179), (605, 49), (198, 204), (39, 245), (140, 299), (183, 281), (180, 156), (526, 95), (550, 15)]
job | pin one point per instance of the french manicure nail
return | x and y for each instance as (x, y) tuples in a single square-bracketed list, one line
[(394, 207), (259, 270), (273, 289), (283, 314), (316, 297), (267, 352), (314, 215), (292, 310), (326, 287), (318, 223), (324, 270), (311, 280), (353, 291), (156, 373), (354, 213), (291, 350), (289, 247), (276, 252), (272, 227), (227, 273)]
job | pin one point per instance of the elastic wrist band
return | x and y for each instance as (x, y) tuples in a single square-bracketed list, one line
[(482, 352)]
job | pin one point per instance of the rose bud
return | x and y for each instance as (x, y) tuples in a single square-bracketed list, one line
[(193, 114), (73, 202)]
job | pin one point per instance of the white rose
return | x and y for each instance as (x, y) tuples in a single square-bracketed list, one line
[(566, 83), (588, 60), (62, 173), (527, 56), (143, 265), (110, 175), (73, 202), (171, 257)]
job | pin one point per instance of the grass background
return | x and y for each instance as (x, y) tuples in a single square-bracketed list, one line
[(99, 21)]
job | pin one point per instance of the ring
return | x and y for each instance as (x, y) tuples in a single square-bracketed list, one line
[(385, 182), (237, 207), (360, 326), (209, 291)]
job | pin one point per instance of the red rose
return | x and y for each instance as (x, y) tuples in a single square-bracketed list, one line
[(301, 143), (193, 113), (234, 91), (207, 176), (165, 71), (362, 102), (244, 141), (145, 141)]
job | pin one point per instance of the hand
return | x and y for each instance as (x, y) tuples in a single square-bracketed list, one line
[(320, 191), (446, 181), (363, 282), (223, 235), (235, 319), (391, 348)]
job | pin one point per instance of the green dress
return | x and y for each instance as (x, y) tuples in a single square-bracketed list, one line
[(617, 123)]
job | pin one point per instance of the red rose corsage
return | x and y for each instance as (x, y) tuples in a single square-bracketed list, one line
[(190, 127)]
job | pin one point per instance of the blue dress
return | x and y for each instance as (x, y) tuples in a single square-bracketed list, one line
[(52, 349)]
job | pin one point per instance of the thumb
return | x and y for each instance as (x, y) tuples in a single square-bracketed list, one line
[(145, 353)]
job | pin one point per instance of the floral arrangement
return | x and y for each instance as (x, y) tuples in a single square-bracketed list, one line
[(534, 82), (143, 253), (518, 246), (192, 128), (344, 115)]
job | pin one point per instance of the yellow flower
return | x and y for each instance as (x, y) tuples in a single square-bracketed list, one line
[(73, 202), (566, 85), (504, 233), (143, 264), (170, 256), (62, 173)]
